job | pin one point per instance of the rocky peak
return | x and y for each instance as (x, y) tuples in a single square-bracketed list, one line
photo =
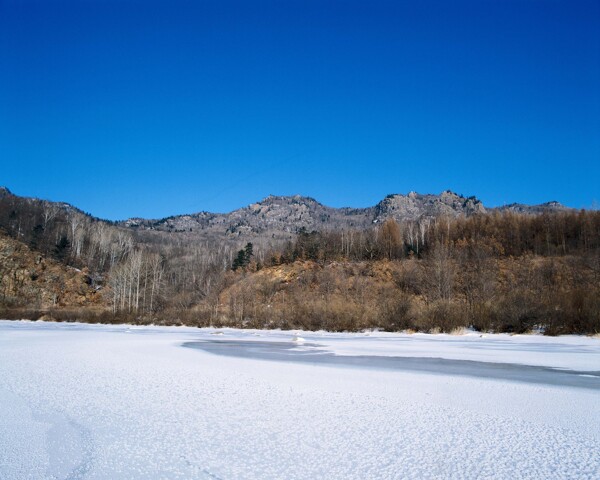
[(282, 214), (414, 205), (552, 206), (281, 200)]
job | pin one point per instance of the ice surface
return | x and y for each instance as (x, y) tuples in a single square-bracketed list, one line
[(110, 402), (319, 354)]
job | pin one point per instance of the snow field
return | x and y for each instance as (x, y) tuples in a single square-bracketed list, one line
[(98, 402)]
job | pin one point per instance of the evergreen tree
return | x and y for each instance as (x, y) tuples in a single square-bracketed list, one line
[(61, 249), (243, 257), (239, 261), (248, 253)]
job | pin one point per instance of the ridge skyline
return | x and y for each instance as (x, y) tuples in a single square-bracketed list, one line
[(422, 204)]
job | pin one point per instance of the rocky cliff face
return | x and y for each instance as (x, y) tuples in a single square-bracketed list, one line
[(414, 206), (28, 279)]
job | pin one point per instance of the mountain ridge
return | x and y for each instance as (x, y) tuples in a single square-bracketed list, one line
[(287, 214), (281, 216)]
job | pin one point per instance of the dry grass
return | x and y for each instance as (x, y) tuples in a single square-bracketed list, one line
[(459, 331)]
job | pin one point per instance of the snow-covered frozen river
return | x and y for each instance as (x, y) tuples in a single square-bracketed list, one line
[(110, 402)]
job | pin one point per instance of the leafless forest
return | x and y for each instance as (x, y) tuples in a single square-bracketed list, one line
[(500, 271)]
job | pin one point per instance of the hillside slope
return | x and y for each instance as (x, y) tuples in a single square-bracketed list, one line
[(29, 279)]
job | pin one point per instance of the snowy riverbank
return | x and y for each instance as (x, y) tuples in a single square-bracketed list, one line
[(109, 402)]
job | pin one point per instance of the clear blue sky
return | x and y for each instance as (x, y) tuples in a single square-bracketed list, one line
[(143, 108)]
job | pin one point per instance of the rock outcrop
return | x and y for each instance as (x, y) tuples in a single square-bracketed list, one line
[(28, 279), (281, 216)]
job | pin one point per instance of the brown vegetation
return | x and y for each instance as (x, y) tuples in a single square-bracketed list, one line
[(28, 279), (500, 271)]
